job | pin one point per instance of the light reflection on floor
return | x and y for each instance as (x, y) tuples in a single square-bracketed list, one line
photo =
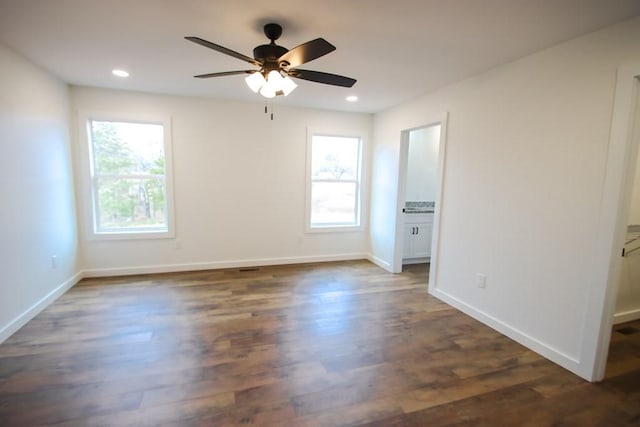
[(333, 313)]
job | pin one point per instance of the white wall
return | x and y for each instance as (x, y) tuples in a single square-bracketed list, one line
[(239, 185), (422, 164), (525, 164), (37, 217)]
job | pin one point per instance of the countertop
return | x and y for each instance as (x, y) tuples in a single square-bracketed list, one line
[(417, 211), (413, 207)]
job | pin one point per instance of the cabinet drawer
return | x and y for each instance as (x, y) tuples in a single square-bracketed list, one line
[(418, 218)]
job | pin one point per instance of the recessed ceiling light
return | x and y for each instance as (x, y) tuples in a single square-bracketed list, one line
[(120, 73), (352, 98)]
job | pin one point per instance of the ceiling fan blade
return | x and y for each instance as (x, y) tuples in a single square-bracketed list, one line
[(320, 77), (307, 52), (224, 73), (224, 50)]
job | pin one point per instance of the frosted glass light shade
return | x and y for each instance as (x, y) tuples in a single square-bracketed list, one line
[(288, 85), (255, 81), (274, 81), (267, 92)]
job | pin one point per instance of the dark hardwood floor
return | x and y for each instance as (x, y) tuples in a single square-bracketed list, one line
[(315, 345)]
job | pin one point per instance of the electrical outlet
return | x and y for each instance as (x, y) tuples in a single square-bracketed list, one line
[(481, 280), (54, 262), (178, 244)]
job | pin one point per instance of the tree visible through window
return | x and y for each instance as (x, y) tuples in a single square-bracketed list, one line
[(335, 181), (128, 176)]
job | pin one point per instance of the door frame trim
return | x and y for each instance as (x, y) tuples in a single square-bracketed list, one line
[(396, 267), (612, 224)]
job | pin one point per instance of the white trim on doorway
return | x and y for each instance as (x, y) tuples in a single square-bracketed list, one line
[(614, 210), (396, 267)]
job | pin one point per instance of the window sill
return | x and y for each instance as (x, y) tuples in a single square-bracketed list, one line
[(335, 229), (130, 235)]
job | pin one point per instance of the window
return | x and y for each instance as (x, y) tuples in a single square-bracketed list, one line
[(334, 185), (128, 166)]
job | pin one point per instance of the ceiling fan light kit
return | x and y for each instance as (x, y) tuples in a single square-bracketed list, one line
[(255, 81), (277, 64), (273, 85)]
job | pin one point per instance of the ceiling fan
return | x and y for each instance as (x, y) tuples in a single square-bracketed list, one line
[(277, 64)]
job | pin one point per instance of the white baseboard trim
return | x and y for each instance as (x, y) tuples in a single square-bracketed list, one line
[(626, 316), (215, 265), (380, 262), (528, 341), (409, 261), (31, 312)]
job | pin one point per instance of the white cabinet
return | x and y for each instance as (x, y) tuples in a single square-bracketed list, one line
[(418, 229)]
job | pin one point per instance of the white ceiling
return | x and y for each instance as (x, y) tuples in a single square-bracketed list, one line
[(396, 49)]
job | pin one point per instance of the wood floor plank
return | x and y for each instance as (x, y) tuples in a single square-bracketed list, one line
[(328, 344)]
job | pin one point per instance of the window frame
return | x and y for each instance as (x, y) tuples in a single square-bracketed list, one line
[(90, 182), (359, 181)]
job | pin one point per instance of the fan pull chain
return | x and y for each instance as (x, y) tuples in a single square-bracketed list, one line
[(268, 106)]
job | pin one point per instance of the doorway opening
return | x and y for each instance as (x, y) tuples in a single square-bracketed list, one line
[(420, 184), (627, 306), (613, 223)]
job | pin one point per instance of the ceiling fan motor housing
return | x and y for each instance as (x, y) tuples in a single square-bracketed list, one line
[(269, 54)]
